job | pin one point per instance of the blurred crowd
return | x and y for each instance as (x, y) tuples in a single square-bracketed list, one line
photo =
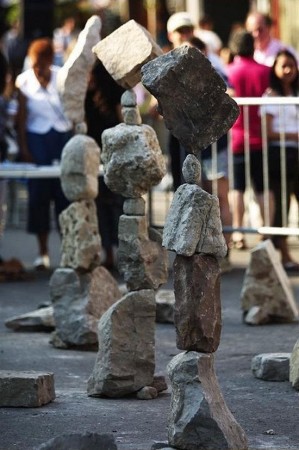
[(33, 127)]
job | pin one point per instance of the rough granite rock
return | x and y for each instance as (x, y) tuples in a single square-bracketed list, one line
[(126, 70), (126, 358), (76, 441), (141, 260), (294, 366), (79, 300), (81, 242), (132, 158), (271, 366), (80, 162), (197, 313), (193, 223), (38, 320), (267, 286), (191, 97), (72, 78), (199, 417), (28, 389), (134, 207)]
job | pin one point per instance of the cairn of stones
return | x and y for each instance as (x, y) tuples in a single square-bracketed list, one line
[(133, 164), (81, 289), (192, 99)]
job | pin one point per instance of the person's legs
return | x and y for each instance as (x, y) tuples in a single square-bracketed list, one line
[(237, 201)]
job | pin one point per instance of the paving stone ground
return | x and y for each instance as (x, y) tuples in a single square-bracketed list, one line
[(268, 411)]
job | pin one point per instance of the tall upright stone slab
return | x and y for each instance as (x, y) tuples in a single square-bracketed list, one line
[(126, 358), (197, 312), (266, 294), (191, 97), (136, 46), (73, 76)]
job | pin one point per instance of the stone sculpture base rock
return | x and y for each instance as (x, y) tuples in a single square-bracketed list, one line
[(199, 417)]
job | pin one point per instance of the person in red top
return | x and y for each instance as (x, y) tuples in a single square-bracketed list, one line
[(248, 79)]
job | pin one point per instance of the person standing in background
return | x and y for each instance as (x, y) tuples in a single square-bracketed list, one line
[(43, 130), (248, 79), (62, 38), (102, 111), (284, 79), (265, 46)]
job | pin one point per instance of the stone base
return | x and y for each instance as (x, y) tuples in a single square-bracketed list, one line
[(199, 417)]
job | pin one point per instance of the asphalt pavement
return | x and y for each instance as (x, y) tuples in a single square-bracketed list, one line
[(268, 411)]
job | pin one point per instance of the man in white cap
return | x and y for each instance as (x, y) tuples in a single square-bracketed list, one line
[(179, 28)]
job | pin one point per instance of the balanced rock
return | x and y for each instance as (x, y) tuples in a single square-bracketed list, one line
[(126, 357), (73, 76), (201, 111), (141, 259), (197, 313), (132, 158), (126, 69), (271, 366), (193, 223), (80, 162), (28, 389), (79, 300), (199, 417), (294, 366), (81, 242), (267, 287)]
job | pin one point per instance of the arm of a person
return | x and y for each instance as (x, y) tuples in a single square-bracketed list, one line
[(274, 135), (21, 129)]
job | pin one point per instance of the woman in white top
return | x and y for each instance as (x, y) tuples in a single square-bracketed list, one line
[(43, 131), (283, 119)]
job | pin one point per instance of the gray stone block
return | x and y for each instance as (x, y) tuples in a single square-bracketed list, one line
[(26, 389), (87, 441), (271, 366)]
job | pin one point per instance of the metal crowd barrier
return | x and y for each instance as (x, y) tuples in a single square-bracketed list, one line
[(156, 219), (159, 198)]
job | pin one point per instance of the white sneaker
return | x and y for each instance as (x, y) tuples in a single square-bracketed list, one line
[(42, 262)]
